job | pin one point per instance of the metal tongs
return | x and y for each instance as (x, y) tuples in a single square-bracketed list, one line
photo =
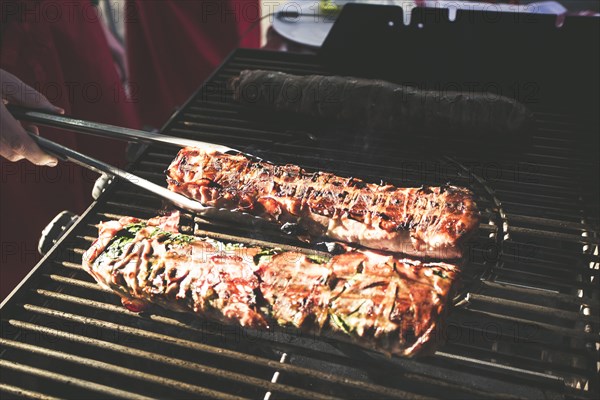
[(105, 130)]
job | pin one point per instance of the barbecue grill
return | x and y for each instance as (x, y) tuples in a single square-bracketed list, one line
[(525, 323)]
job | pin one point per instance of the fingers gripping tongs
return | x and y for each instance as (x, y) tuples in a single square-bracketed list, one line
[(115, 132)]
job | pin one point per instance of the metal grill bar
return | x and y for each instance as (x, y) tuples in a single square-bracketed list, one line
[(74, 282), (20, 392), (543, 310), (536, 293), (573, 333), (476, 361), (87, 385), (71, 265)]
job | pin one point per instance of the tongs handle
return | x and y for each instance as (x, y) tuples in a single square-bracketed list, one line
[(68, 154), (105, 130)]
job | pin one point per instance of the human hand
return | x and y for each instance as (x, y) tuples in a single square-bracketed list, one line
[(15, 143)]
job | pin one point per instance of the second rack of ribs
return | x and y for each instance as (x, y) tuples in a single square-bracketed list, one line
[(428, 222)]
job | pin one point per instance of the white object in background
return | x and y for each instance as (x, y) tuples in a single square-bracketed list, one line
[(310, 28)]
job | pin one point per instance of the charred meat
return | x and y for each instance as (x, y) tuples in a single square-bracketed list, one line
[(377, 301), (379, 104), (428, 222)]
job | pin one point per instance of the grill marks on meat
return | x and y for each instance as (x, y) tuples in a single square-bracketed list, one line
[(296, 290), (144, 261), (429, 221), (376, 300)]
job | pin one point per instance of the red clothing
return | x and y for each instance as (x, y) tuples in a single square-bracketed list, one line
[(65, 56), (173, 46)]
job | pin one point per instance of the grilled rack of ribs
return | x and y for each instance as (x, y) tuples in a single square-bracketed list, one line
[(431, 222), (376, 300)]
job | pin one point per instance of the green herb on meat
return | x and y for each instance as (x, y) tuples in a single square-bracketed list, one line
[(178, 239), (125, 236), (264, 253), (221, 246), (357, 308), (170, 239), (135, 228), (339, 321), (318, 259), (233, 246)]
